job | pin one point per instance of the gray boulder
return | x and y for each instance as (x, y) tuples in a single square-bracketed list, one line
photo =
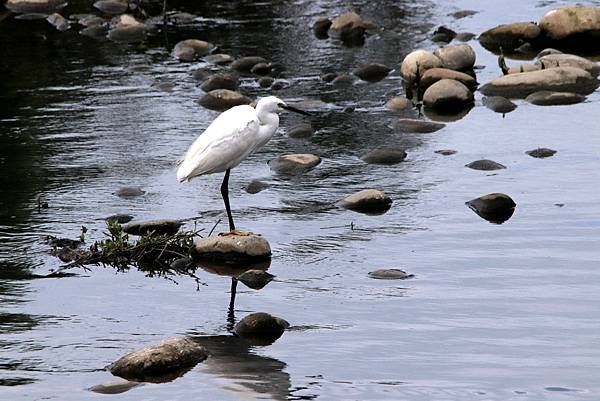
[(385, 155), (498, 104), (547, 98)]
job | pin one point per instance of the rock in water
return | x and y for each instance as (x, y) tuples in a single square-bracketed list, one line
[(385, 156), (372, 72), (245, 64), (390, 274), (301, 131), (561, 79), (495, 207), (575, 23), (160, 362), (44, 7), (320, 28), (114, 387), (498, 104), (547, 98), (447, 95), (223, 99), (485, 165), (510, 36), (255, 279), (59, 22), (233, 247), (417, 126), (220, 81), (349, 28), (398, 103), (541, 152), (445, 152), (111, 7), (368, 201), (219, 59), (419, 60), (129, 192), (128, 30), (456, 57), (433, 75), (119, 218), (261, 69), (568, 60), (443, 34), (191, 49), (256, 186), (156, 227), (294, 163), (260, 328)]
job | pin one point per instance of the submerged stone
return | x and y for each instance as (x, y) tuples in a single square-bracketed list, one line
[(495, 207), (129, 192), (372, 72), (485, 165), (255, 278), (541, 152), (294, 163), (265, 82), (390, 274), (418, 126), (231, 246), (219, 59), (368, 201), (160, 362), (156, 227), (548, 98), (223, 99), (343, 80), (385, 155), (445, 152), (301, 131), (462, 14), (498, 104), (260, 328), (256, 186), (114, 387)]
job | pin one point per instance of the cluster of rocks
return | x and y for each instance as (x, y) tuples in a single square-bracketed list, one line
[(349, 28)]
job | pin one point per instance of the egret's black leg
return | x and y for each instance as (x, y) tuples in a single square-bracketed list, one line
[(225, 193)]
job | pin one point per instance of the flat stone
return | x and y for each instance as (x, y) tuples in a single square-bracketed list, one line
[(541, 152), (372, 72), (386, 156), (462, 14), (465, 36), (495, 207), (320, 27), (245, 64), (433, 75), (547, 98), (111, 7), (223, 99), (129, 192), (301, 131), (390, 274), (219, 58), (294, 163), (260, 328), (561, 79), (565, 22), (445, 152), (498, 104), (509, 36), (44, 7), (418, 126), (255, 278), (220, 81), (456, 57), (368, 201), (447, 95), (568, 60), (232, 247), (256, 186), (191, 49), (161, 361), (114, 387), (419, 60), (156, 227), (119, 218), (398, 103), (547, 51), (485, 165)]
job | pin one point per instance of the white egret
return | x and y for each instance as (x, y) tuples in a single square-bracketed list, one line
[(229, 139)]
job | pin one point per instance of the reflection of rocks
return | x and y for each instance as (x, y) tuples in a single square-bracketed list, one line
[(157, 227), (261, 328), (114, 387), (495, 207), (498, 104), (541, 152), (368, 201), (385, 156), (547, 98), (485, 165), (223, 99), (390, 274), (247, 374), (294, 163), (231, 246), (161, 362)]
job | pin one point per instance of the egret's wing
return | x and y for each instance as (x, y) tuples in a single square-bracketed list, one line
[(224, 144)]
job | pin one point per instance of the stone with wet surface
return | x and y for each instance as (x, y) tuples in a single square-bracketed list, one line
[(256, 186), (447, 95), (245, 64), (260, 328), (549, 98), (384, 155), (160, 362), (301, 131), (418, 126), (541, 152), (390, 274), (220, 81), (223, 99), (191, 49), (494, 207), (368, 201), (485, 165), (232, 246), (255, 278), (372, 72), (294, 163), (156, 227), (498, 104)]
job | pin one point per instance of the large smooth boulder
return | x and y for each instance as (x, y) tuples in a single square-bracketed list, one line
[(127, 29), (547, 98), (156, 227), (160, 362), (433, 75), (572, 22), (368, 201), (35, 6), (416, 63), (191, 49), (260, 328), (456, 57), (294, 163), (231, 246), (568, 60), (510, 36), (561, 79), (447, 95), (223, 99)]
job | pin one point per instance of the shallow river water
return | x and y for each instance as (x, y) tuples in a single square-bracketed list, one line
[(495, 312)]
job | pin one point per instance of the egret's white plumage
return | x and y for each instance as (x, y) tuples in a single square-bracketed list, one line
[(229, 139)]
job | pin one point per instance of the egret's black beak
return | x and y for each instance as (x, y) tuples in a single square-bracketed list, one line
[(295, 110)]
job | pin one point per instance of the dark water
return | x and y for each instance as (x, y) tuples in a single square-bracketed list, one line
[(496, 312)]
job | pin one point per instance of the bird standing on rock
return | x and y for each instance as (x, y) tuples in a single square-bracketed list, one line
[(229, 139)]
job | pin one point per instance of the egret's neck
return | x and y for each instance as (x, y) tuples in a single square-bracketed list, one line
[(269, 121)]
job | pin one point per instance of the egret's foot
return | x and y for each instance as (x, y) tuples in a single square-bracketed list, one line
[(238, 233)]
